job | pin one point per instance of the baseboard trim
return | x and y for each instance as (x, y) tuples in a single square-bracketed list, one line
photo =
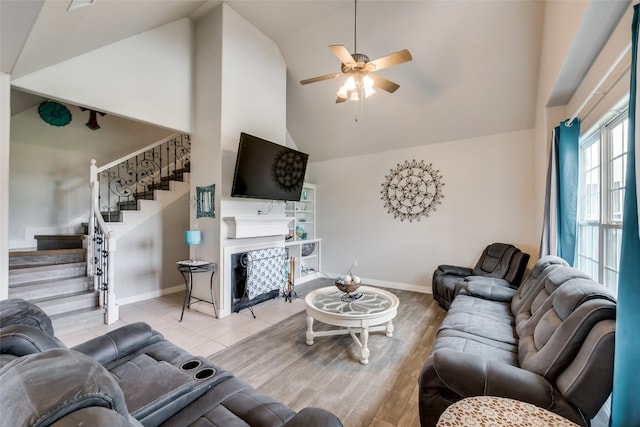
[(150, 295), (411, 287)]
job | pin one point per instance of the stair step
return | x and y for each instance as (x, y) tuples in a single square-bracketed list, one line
[(51, 288), (73, 321), (60, 241), (21, 275), (47, 257), (113, 216), (68, 303)]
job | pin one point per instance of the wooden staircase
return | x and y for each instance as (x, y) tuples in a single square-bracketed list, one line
[(54, 277)]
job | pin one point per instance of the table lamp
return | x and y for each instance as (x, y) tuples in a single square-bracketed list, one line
[(191, 238)]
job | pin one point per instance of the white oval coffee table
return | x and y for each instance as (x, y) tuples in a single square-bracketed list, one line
[(372, 312)]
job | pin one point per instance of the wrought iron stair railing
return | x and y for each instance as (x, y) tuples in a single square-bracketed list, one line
[(125, 181), (118, 186)]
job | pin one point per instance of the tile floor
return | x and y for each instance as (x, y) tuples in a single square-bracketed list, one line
[(199, 332)]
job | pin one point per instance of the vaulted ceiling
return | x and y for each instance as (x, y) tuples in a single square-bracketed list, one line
[(474, 70)]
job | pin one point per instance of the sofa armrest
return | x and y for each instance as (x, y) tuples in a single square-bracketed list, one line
[(468, 375), (488, 290), (454, 270), (120, 342), (487, 281), (313, 417)]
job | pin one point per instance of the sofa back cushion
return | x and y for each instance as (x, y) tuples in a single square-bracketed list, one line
[(533, 281), (21, 340), (42, 388), (552, 279), (556, 333), (495, 260), (545, 262), (16, 311)]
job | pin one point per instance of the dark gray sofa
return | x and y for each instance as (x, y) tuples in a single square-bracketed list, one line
[(549, 343), (131, 376), (502, 263)]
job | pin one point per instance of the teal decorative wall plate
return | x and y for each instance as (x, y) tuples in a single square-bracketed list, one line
[(54, 113)]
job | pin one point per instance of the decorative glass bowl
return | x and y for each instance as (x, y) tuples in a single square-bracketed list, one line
[(347, 287)]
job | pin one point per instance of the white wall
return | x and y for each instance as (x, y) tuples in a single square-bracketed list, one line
[(5, 120), (487, 198), (49, 177), (561, 22), (49, 192), (146, 258), (146, 77), (240, 86)]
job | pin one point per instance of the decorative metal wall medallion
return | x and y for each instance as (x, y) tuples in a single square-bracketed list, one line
[(288, 170), (412, 190)]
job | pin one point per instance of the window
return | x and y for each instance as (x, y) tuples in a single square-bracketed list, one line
[(603, 166)]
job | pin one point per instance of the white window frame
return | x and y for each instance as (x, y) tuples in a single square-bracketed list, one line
[(606, 223)]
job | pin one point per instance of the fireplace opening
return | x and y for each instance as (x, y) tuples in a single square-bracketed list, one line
[(267, 266)]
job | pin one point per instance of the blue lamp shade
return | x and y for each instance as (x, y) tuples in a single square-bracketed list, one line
[(192, 237)]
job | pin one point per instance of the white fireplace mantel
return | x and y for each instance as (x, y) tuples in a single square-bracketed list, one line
[(257, 226)]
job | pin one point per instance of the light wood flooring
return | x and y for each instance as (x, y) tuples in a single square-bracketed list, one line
[(328, 374)]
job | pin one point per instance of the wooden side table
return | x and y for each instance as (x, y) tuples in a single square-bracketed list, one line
[(187, 268)]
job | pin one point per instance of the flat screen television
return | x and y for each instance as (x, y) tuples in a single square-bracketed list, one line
[(266, 170)]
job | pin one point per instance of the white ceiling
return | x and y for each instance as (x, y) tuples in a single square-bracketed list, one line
[(474, 72)]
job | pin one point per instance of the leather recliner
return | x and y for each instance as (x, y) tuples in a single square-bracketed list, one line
[(502, 263), (130, 376)]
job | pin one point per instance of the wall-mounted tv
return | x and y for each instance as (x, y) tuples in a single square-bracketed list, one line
[(266, 170)]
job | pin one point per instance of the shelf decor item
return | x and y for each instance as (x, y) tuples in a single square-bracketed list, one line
[(308, 248), (412, 190), (54, 113)]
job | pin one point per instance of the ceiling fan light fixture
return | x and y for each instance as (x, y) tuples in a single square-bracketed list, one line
[(367, 83)]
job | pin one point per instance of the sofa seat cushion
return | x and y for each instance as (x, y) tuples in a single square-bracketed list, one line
[(477, 345), (232, 403), (497, 329), (481, 307)]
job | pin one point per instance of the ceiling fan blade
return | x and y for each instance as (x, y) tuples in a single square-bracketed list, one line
[(391, 60), (342, 53), (384, 84), (340, 99), (320, 78)]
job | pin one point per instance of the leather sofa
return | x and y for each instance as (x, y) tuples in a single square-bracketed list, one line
[(130, 376), (498, 261), (549, 343)]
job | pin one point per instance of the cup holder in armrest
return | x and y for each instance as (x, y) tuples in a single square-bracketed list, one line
[(204, 374), (190, 364)]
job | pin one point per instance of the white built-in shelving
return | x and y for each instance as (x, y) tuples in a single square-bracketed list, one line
[(302, 242)]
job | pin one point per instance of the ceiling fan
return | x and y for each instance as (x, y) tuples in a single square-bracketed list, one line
[(359, 69)]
